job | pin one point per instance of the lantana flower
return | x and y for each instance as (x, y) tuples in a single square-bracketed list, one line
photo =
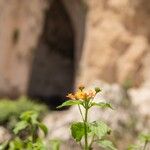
[(81, 94)]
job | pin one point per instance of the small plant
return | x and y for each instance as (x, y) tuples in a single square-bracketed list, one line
[(128, 83), (29, 121), (9, 117), (55, 144), (144, 141), (91, 132), (26, 133)]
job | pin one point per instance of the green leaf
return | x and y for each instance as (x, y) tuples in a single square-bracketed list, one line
[(16, 144), (107, 145), (144, 137), (34, 118), (43, 128), (100, 129), (39, 145), (55, 144), (77, 130), (20, 126), (102, 105), (133, 147), (70, 103), (29, 116), (4, 145), (29, 145)]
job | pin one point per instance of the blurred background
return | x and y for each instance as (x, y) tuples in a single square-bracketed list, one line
[(49, 47)]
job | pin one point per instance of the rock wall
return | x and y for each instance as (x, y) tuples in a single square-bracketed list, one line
[(20, 26), (116, 47), (52, 71), (115, 36), (24, 26)]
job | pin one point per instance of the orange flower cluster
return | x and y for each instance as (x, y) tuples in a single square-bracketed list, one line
[(82, 95)]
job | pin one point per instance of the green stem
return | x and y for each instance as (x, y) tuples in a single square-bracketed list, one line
[(34, 133), (85, 126), (90, 146), (144, 148), (81, 112)]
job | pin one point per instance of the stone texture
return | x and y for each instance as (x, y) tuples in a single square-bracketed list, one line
[(111, 41), (22, 23), (141, 98), (20, 26), (117, 42), (4, 134)]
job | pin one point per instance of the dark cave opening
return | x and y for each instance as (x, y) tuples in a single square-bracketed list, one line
[(53, 73)]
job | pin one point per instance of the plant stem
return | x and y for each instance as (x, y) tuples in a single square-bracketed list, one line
[(85, 126), (34, 134), (81, 112), (90, 146), (145, 144)]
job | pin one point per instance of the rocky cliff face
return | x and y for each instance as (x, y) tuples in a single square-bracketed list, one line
[(115, 36), (20, 26), (117, 41)]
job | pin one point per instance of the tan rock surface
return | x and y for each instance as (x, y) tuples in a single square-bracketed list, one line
[(115, 37), (117, 42)]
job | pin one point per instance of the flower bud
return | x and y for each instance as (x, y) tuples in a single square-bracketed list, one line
[(97, 90), (81, 87)]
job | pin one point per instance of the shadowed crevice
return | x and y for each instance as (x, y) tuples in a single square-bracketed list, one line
[(52, 71)]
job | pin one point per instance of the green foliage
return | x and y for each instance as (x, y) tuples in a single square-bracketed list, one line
[(133, 147), (70, 103), (39, 144), (16, 144), (77, 130), (144, 137), (19, 144), (30, 119), (99, 129), (96, 130), (42, 127), (128, 83), (144, 141), (102, 105), (106, 144), (3, 145), (55, 144), (84, 133), (11, 110), (20, 126), (29, 123)]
